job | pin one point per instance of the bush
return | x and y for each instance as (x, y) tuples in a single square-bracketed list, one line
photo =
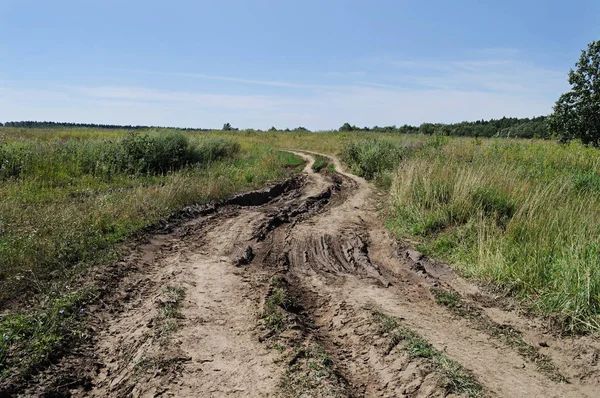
[(151, 153), (371, 157)]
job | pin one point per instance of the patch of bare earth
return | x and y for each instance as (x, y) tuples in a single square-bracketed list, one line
[(303, 293)]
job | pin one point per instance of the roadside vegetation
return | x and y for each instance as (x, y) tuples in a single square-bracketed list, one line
[(457, 380), (321, 162), (68, 202), (519, 215), (522, 215)]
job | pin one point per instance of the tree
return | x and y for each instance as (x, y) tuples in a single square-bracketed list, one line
[(346, 127), (427, 128), (273, 128), (577, 113), (227, 127)]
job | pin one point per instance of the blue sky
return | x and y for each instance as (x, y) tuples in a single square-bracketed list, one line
[(312, 63)]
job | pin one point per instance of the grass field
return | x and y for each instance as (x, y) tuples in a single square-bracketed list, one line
[(523, 216), (67, 203)]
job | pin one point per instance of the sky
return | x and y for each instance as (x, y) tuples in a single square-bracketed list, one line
[(284, 63)]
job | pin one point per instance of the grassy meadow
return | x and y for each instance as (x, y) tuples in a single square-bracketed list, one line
[(70, 197), (520, 215)]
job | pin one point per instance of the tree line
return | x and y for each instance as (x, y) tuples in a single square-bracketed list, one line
[(44, 125), (536, 127)]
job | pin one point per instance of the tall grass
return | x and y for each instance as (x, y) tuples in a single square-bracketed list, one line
[(376, 158), (66, 204), (149, 153), (525, 216)]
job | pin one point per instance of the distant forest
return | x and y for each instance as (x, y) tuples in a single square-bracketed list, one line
[(506, 127), (45, 125)]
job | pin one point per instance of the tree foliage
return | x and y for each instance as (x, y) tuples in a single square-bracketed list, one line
[(506, 127), (577, 112), (348, 127)]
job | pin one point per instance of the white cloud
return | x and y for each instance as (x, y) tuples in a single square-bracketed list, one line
[(272, 83), (412, 91), (502, 75)]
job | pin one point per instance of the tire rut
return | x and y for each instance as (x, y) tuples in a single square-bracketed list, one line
[(277, 297)]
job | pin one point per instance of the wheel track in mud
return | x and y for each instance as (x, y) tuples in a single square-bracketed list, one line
[(321, 235)]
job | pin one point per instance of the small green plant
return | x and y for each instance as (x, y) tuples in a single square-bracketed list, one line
[(446, 298), (170, 306), (458, 380), (278, 301), (29, 340), (320, 163), (312, 373)]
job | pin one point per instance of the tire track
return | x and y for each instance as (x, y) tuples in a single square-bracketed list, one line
[(279, 291)]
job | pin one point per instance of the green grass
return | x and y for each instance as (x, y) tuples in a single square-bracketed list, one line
[(522, 215), (321, 162), (278, 302), (69, 200), (29, 340), (457, 379), (311, 373)]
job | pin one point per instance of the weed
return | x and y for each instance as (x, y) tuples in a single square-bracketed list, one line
[(458, 380), (446, 298), (311, 373), (505, 333), (278, 301), (29, 340), (169, 308), (320, 163)]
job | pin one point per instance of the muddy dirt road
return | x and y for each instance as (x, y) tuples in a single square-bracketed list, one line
[(298, 290)]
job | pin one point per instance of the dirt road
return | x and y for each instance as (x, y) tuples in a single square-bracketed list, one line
[(299, 291)]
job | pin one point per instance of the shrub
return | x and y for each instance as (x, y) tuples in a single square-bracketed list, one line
[(371, 157), (151, 153)]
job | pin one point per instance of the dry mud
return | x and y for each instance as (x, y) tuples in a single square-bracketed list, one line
[(278, 292)]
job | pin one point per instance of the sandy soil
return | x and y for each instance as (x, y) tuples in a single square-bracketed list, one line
[(191, 319)]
